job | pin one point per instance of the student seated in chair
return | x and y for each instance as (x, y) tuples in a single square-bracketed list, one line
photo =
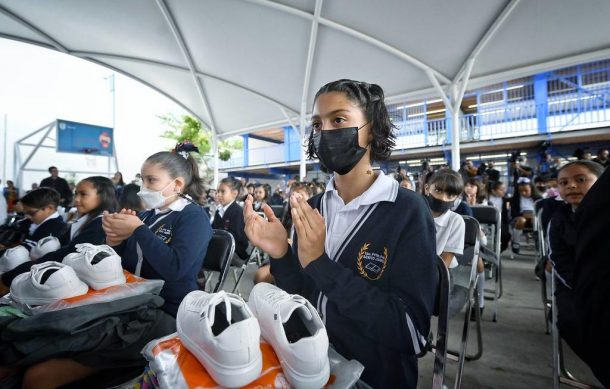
[(575, 179)]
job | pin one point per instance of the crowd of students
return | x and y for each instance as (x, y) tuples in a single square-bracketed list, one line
[(361, 248)]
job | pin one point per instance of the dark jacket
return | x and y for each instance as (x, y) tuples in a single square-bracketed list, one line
[(60, 185), (233, 221), (562, 243), (173, 251), (53, 227), (463, 209), (377, 297), (91, 232), (591, 275), (102, 335)]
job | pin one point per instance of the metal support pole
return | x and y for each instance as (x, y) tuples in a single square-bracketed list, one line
[(215, 152), (455, 130), (24, 164), (5, 144), (302, 164), (116, 161), (16, 163), (308, 65)]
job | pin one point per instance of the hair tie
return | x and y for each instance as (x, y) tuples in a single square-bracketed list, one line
[(183, 148)]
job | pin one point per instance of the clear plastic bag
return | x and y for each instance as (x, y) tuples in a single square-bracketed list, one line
[(133, 286), (175, 367)]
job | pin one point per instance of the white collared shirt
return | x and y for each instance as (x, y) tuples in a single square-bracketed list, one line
[(496, 201), (223, 208), (450, 230), (177, 205), (340, 217), (526, 204), (34, 227), (77, 225)]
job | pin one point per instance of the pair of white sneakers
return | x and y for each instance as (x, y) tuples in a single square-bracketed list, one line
[(17, 255), (223, 332), (96, 266)]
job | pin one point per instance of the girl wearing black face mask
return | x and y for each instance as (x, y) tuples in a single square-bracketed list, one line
[(441, 190), (363, 250)]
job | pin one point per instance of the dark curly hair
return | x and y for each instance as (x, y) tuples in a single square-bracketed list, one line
[(370, 99)]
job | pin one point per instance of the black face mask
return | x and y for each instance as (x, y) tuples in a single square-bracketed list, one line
[(437, 205), (338, 150)]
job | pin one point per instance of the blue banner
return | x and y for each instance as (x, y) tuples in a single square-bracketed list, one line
[(81, 138)]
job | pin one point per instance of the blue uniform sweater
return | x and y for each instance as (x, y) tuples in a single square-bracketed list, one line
[(52, 227), (173, 251), (377, 297)]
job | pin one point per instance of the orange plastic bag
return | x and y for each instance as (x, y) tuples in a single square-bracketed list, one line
[(176, 368)]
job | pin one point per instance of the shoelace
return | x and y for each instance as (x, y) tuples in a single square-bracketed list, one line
[(277, 298), (218, 298), (88, 247), (90, 250), (208, 305)]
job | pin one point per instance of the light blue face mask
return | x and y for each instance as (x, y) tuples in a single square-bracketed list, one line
[(154, 199)]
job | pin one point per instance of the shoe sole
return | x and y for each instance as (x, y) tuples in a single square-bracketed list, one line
[(97, 285), (231, 377), (301, 381)]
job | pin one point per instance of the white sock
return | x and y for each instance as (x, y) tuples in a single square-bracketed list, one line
[(481, 289), (516, 235)]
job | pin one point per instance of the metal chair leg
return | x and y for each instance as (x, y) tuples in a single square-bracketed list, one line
[(477, 315)]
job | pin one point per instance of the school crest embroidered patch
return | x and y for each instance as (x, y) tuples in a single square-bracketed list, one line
[(371, 265), (164, 233)]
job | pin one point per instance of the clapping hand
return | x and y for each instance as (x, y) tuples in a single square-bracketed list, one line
[(310, 228), (268, 235), (119, 226)]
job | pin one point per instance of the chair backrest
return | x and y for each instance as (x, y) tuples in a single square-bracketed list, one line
[(471, 247), (490, 216), (541, 234), (487, 214), (218, 256), (442, 311), (278, 211)]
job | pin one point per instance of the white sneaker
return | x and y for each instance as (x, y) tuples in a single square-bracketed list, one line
[(13, 258), (44, 246), (221, 332), (46, 283), (99, 266), (295, 331)]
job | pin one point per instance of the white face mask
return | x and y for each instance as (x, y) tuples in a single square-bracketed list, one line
[(154, 198)]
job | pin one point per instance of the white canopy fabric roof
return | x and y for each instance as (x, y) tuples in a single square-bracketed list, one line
[(242, 65)]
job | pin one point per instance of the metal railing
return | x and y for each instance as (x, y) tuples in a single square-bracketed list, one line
[(561, 113)]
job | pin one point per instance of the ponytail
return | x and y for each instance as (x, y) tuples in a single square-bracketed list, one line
[(180, 163), (196, 187)]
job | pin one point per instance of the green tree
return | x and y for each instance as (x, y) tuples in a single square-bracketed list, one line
[(189, 128)]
